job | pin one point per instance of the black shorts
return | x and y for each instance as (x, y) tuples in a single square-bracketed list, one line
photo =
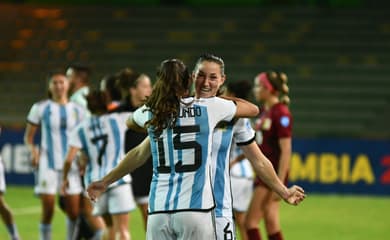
[(142, 176), (141, 179)]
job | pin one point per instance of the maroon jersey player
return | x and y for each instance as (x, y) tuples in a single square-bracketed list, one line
[(274, 127)]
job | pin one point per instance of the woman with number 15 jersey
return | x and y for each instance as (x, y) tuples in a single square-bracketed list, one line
[(101, 137), (180, 130)]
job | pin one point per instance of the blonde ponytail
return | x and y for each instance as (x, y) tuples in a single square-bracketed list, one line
[(284, 98)]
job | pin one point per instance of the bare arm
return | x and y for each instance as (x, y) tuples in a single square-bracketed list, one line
[(263, 168), (244, 108), (265, 171), (29, 135), (133, 159), (134, 126), (70, 155)]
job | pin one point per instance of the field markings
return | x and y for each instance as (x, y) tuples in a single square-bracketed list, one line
[(26, 210)]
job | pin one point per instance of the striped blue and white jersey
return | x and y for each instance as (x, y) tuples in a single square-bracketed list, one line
[(181, 156), (79, 97), (102, 139), (242, 169), (56, 121), (224, 134)]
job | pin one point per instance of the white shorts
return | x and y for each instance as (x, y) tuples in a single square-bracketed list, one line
[(181, 226), (225, 228), (2, 177), (49, 181), (142, 200), (115, 200), (242, 190)]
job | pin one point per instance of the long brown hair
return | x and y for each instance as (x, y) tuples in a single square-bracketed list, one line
[(173, 81)]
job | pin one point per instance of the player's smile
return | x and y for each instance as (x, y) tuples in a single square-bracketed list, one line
[(205, 89)]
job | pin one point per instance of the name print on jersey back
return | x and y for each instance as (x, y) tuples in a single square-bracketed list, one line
[(187, 112)]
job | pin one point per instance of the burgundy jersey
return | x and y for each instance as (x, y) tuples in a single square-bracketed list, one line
[(272, 125)]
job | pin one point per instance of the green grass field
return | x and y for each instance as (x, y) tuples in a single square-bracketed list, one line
[(320, 217)]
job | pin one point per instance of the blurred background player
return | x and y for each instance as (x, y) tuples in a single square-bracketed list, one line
[(274, 128), (108, 84), (56, 116), (241, 171), (5, 211), (101, 137), (135, 88), (78, 75)]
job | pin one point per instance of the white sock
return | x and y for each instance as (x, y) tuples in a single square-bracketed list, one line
[(98, 235), (70, 225), (13, 231), (45, 231)]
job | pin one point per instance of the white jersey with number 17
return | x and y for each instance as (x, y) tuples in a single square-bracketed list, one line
[(181, 155), (102, 139)]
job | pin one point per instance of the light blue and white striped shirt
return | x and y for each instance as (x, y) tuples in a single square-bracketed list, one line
[(224, 134), (56, 121), (181, 156), (102, 139)]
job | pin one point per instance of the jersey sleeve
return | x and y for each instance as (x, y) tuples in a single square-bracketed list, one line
[(243, 132), (76, 136), (80, 100), (224, 109), (34, 115), (85, 113), (141, 116), (283, 124), (81, 112)]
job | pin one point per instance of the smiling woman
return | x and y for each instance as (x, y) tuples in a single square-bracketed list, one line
[(209, 75)]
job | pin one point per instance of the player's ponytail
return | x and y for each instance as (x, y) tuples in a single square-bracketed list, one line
[(284, 98), (278, 84), (173, 82)]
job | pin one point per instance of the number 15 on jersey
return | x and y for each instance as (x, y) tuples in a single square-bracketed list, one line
[(164, 166)]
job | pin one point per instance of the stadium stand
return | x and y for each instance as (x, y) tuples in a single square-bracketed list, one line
[(336, 58)]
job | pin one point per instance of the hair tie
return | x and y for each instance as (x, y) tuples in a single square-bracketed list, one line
[(263, 79)]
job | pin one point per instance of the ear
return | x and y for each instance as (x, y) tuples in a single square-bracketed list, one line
[(223, 78)]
